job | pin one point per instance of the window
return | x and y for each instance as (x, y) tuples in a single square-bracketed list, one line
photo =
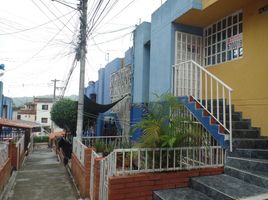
[(44, 107), (44, 120), (18, 116), (223, 40)]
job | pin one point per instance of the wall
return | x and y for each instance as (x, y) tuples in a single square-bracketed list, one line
[(110, 68), (43, 113), (100, 86), (141, 186), (141, 67), (163, 42), (248, 75), (81, 173), (5, 173)]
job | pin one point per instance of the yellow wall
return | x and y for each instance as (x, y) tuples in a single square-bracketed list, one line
[(207, 3), (248, 76)]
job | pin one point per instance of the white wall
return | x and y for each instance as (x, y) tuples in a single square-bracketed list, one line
[(43, 113)]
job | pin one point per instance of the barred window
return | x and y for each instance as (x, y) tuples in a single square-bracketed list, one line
[(223, 40)]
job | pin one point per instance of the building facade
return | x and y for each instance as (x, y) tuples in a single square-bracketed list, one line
[(226, 38)]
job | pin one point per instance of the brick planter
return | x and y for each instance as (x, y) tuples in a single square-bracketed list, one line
[(81, 173), (141, 186)]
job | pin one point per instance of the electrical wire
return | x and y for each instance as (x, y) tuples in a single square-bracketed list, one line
[(35, 27)]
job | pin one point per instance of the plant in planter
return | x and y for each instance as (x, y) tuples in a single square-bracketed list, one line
[(166, 125)]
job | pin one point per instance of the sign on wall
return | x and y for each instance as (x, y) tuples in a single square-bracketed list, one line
[(235, 44)]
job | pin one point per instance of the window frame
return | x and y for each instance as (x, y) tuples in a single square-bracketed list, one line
[(216, 38)]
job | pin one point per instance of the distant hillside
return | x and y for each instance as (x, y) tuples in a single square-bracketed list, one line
[(20, 101)]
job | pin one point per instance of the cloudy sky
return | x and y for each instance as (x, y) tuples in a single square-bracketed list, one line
[(37, 41)]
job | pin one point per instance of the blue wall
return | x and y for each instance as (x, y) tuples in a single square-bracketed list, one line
[(128, 60), (100, 86), (163, 42), (90, 89), (141, 67), (5, 101)]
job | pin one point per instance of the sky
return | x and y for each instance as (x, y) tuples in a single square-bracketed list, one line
[(37, 42)]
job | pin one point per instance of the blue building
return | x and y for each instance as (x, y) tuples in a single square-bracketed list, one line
[(6, 104)]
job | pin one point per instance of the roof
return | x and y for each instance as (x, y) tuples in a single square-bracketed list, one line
[(43, 100), (18, 123), (27, 112)]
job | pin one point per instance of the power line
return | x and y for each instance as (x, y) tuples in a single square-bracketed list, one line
[(38, 52), (35, 27)]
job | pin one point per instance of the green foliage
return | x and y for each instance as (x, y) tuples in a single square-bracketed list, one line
[(166, 125), (64, 114), (40, 139)]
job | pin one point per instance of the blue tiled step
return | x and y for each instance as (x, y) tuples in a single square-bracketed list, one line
[(179, 194), (250, 153), (259, 178), (248, 164), (224, 187)]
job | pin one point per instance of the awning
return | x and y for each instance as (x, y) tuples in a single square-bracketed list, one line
[(214, 11), (93, 108), (18, 124)]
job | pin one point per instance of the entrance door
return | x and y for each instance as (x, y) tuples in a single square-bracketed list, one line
[(188, 47), (186, 78)]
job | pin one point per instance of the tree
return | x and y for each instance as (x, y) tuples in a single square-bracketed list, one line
[(64, 114)]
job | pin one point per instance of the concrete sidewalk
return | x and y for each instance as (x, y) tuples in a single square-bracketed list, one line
[(42, 177)]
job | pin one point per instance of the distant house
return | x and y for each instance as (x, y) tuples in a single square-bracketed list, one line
[(36, 111), (43, 108)]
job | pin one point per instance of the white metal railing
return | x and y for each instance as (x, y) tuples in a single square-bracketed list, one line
[(191, 79), (129, 161), (3, 153), (79, 150), (94, 155), (114, 141)]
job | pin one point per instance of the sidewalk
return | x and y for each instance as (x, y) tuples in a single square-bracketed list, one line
[(42, 177)]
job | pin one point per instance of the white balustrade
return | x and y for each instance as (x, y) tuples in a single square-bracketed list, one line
[(192, 80)]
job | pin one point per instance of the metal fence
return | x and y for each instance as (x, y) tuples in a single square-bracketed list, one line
[(131, 161), (15, 135), (79, 150), (112, 141), (3, 153)]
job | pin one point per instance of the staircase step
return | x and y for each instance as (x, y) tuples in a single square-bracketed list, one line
[(250, 153), (236, 116), (246, 133), (259, 178), (250, 143), (242, 124), (225, 187), (179, 194), (247, 163)]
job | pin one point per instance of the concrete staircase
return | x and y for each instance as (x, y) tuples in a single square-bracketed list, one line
[(246, 170)]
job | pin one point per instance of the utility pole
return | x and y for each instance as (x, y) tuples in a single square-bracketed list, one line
[(55, 87), (54, 100), (81, 55)]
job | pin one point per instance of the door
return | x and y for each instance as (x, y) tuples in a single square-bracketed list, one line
[(186, 78)]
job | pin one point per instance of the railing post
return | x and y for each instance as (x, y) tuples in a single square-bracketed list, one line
[(230, 122)]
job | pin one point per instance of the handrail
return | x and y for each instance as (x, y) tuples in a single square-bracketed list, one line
[(208, 72), (192, 80)]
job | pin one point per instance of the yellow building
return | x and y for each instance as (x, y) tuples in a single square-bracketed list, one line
[(235, 39)]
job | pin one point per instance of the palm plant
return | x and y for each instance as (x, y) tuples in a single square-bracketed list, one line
[(166, 125)]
